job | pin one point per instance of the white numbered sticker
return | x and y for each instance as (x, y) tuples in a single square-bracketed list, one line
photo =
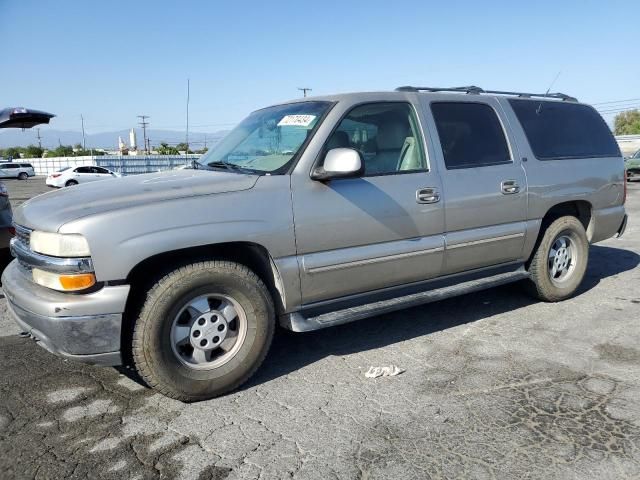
[(296, 120)]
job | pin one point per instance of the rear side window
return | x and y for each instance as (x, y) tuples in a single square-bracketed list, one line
[(559, 130), (470, 135), (26, 165)]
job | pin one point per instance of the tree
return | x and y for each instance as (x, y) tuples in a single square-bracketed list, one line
[(61, 151), (165, 149), (182, 147), (33, 151), (627, 123), (13, 152)]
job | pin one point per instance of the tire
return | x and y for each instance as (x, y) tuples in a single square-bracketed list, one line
[(541, 284), (71, 183), (170, 367), (23, 176)]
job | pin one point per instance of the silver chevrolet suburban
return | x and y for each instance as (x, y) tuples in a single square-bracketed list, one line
[(314, 213)]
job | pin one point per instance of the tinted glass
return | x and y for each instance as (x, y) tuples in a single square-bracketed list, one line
[(12, 165), (470, 135), (83, 170), (386, 135), (558, 130), (26, 165), (101, 170)]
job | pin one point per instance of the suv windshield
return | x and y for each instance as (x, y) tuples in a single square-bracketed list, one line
[(267, 140)]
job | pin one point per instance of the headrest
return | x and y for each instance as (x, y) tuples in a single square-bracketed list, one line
[(391, 136)]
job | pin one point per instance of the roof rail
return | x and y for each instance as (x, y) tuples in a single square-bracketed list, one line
[(473, 90)]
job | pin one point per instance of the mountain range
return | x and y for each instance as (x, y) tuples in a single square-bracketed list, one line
[(13, 137)]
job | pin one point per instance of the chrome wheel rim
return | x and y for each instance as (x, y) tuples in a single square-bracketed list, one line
[(208, 331), (562, 260)]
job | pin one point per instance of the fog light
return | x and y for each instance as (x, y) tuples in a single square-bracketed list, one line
[(63, 282)]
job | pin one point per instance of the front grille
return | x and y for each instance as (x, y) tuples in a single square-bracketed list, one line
[(23, 235)]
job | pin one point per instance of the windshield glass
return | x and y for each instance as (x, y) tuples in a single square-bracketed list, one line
[(63, 169), (637, 154), (268, 139)]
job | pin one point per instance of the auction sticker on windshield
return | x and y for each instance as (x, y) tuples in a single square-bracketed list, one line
[(296, 120)]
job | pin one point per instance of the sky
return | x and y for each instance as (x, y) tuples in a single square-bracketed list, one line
[(113, 60)]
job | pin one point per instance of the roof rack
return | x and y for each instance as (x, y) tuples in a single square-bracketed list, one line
[(473, 90)]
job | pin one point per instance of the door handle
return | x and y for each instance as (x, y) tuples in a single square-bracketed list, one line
[(509, 187), (427, 195)]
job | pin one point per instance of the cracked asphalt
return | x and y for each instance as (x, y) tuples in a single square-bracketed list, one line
[(496, 386)]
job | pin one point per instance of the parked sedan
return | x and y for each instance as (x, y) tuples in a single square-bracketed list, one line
[(69, 176)]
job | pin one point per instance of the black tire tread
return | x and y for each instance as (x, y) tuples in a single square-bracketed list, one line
[(169, 281), (539, 286)]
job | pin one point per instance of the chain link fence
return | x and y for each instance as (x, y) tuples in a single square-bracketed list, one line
[(124, 164)]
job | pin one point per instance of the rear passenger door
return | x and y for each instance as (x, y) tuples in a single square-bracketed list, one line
[(485, 190)]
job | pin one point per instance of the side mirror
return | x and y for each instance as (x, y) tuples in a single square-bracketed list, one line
[(339, 163)]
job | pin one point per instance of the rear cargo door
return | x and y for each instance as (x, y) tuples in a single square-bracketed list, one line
[(483, 182)]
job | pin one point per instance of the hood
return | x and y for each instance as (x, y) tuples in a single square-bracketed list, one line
[(51, 210)]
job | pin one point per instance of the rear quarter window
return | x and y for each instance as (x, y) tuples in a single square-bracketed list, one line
[(561, 130)]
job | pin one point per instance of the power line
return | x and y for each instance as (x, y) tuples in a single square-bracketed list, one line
[(143, 123), (617, 101)]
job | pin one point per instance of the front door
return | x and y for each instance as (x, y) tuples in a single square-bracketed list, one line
[(383, 229), (485, 186)]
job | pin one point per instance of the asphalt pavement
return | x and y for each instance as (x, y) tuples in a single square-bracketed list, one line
[(496, 385)]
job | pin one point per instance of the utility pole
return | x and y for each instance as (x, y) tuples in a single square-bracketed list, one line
[(84, 143), (39, 138), (305, 90), (143, 123), (187, 152)]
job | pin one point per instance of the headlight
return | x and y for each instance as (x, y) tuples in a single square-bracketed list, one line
[(59, 245), (63, 282)]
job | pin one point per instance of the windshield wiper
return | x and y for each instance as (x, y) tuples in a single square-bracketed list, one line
[(231, 166)]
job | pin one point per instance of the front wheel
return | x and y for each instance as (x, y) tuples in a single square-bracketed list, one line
[(560, 261), (204, 329)]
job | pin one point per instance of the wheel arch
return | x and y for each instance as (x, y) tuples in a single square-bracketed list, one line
[(580, 209), (143, 275)]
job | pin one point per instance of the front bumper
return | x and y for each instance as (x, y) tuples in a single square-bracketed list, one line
[(83, 327)]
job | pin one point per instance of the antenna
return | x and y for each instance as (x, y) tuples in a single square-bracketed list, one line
[(552, 83), (304, 90)]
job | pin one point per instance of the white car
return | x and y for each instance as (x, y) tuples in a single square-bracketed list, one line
[(68, 176)]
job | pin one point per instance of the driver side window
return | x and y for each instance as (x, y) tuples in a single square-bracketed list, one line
[(386, 135)]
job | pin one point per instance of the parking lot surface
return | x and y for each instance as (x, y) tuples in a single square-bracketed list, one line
[(496, 386)]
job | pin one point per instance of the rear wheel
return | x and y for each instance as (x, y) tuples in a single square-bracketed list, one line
[(560, 261), (22, 176), (71, 183), (204, 329)]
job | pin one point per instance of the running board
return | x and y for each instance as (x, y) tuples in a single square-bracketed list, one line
[(297, 322)]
